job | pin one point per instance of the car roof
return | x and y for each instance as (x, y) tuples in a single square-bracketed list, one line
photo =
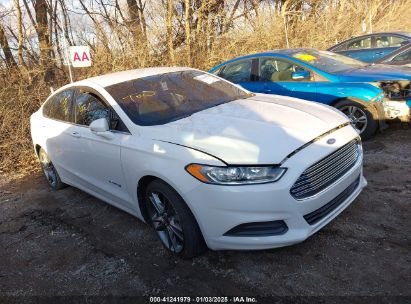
[(404, 34), (283, 52), (289, 51), (117, 77)]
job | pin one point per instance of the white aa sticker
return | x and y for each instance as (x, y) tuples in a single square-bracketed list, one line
[(80, 56)]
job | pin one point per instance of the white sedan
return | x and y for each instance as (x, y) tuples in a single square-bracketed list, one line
[(205, 162)]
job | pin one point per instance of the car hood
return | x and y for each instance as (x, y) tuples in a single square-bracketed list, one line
[(375, 72), (256, 130)]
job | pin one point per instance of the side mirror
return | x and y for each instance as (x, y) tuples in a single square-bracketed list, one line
[(101, 128), (300, 75)]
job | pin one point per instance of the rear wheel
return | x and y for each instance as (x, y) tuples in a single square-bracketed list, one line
[(173, 221), (50, 171), (361, 117)]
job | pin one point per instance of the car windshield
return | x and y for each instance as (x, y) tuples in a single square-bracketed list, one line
[(328, 61), (163, 98)]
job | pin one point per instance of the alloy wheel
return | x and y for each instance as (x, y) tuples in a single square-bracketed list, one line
[(357, 117), (166, 222)]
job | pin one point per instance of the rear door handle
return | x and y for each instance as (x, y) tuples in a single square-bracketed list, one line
[(75, 134), (379, 53)]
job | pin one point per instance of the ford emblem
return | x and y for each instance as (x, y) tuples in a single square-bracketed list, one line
[(331, 141)]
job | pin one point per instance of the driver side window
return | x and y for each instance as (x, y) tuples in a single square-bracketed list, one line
[(89, 108), (275, 70)]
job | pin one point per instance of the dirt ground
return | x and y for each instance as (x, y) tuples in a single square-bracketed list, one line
[(69, 243)]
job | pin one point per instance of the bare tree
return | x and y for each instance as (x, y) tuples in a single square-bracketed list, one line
[(20, 33), (46, 59), (187, 13), (169, 26), (136, 22), (9, 59)]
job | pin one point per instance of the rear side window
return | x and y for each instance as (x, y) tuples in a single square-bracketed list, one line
[(239, 71), (88, 108), (364, 43), (59, 106)]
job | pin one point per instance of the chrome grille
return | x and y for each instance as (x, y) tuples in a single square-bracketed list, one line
[(325, 172)]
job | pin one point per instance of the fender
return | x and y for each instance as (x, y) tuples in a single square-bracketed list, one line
[(376, 109)]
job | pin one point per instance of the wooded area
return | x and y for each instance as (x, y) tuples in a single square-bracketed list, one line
[(125, 34), (140, 33)]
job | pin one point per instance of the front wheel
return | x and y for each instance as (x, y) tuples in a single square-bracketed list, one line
[(361, 117), (173, 221)]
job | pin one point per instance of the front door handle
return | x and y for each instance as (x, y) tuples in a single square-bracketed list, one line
[(379, 53), (75, 134)]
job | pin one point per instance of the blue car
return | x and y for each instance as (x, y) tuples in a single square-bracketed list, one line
[(324, 77), (372, 47)]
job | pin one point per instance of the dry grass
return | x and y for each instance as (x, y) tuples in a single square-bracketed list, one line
[(18, 98)]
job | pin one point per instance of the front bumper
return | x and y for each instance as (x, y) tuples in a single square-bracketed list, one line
[(397, 109), (219, 209)]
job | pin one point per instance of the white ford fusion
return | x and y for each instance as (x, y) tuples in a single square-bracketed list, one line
[(203, 161)]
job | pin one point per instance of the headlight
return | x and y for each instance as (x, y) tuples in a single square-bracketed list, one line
[(235, 175)]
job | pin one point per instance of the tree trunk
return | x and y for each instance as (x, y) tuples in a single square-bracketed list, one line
[(135, 23), (188, 30), (10, 62), (20, 33), (40, 8), (169, 24)]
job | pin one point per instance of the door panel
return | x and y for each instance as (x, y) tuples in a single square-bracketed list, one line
[(99, 164), (61, 147), (382, 52), (98, 159), (365, 55), (57, 124)]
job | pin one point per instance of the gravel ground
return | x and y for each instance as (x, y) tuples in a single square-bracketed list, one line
[(69, 243)]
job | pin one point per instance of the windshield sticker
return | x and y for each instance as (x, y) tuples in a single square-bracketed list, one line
[(206, 78), (305, 57)]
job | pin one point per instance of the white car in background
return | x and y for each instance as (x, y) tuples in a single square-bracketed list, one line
[(205, 162)]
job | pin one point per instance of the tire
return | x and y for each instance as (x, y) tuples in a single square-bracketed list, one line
[(173, 221), (361, 117), (50, 172)]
